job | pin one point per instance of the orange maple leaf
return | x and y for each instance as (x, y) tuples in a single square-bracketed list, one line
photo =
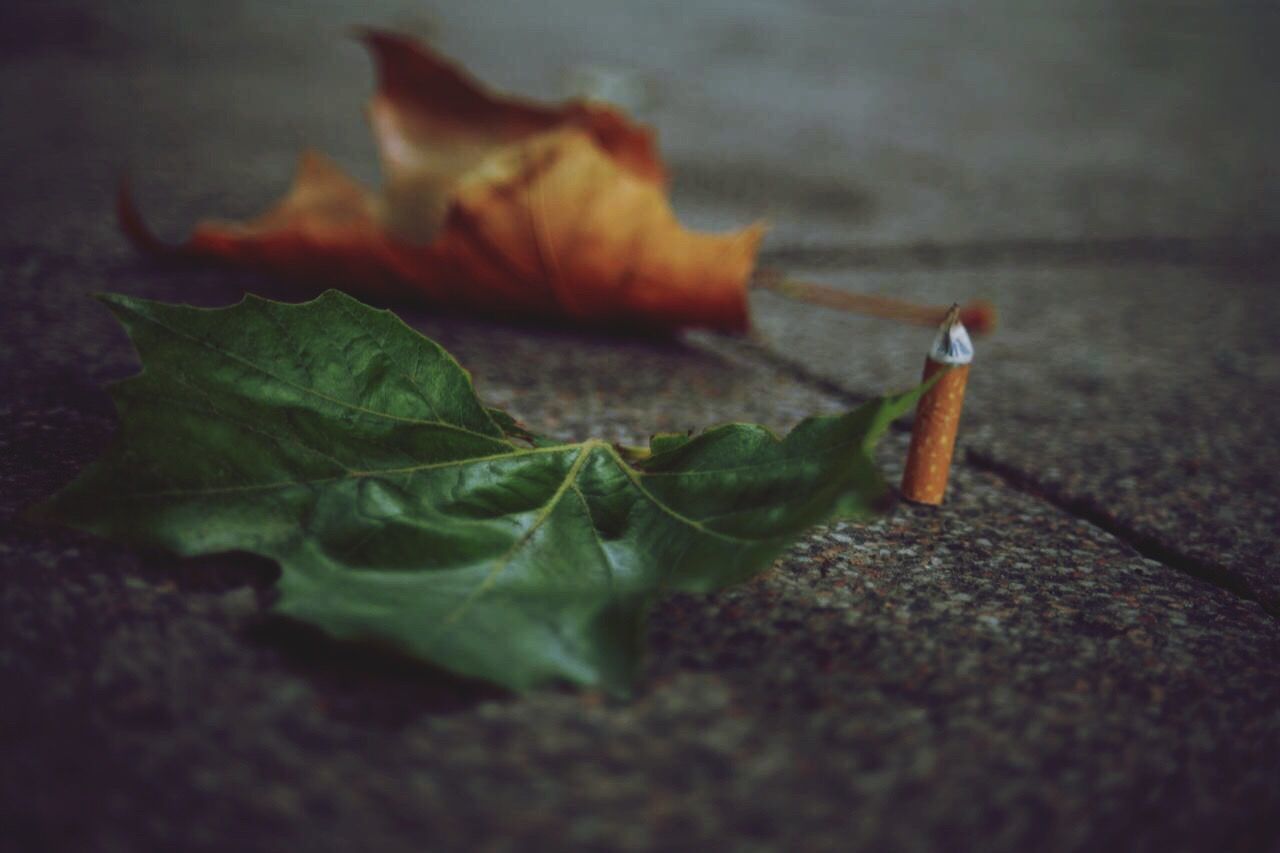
[(496, 205)]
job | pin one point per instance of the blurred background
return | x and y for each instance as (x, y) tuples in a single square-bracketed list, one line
[(885, 122)]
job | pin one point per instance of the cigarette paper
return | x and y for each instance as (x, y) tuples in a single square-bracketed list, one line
[(933, 436)]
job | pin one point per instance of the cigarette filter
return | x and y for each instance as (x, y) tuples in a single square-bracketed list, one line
[(933, 437)]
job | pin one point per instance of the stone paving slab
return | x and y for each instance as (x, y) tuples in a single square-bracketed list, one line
[(995, 675), (1145, 396)]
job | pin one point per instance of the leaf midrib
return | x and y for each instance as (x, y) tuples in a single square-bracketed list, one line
[(586, 449), (569, 483)]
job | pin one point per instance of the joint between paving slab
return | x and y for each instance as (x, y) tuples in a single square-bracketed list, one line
[(756, 347), (1142, 543), (1085, 509)]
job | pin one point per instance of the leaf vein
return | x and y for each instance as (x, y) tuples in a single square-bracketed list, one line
[(353, 475), (337, 401), (656, 501), (595, 537), (503, 562)]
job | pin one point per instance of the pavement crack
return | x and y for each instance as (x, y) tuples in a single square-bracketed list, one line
[(1141, 542), (757, 348)]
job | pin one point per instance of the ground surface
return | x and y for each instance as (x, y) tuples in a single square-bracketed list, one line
[(1080, 650)]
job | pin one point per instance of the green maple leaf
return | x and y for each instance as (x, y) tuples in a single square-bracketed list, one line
[(354, 452)]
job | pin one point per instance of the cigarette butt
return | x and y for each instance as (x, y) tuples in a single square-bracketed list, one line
[(933, 436)]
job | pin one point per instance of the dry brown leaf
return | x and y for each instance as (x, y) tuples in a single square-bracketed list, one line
[(495, 205)]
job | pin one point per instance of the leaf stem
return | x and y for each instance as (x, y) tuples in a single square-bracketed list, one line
[(978, 316)]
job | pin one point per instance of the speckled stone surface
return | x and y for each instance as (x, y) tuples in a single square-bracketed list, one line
[(1144, 395), (999, 674)]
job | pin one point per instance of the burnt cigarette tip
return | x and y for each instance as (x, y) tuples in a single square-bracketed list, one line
[(979, 317)]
